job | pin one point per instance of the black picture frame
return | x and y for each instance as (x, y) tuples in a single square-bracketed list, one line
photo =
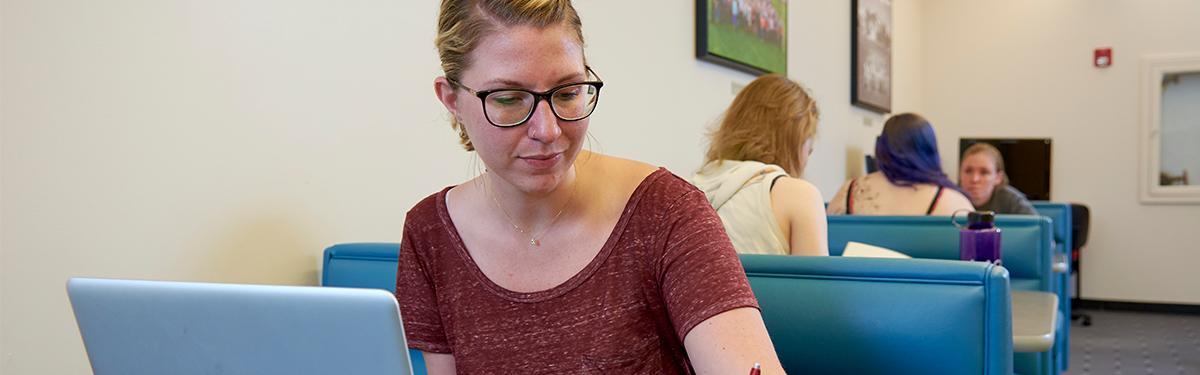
[(871, 55), (771, 33)]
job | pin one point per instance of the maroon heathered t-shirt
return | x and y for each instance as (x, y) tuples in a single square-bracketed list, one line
[(666, 267)]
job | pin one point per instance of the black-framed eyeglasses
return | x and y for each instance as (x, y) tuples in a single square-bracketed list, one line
[(507, 108)]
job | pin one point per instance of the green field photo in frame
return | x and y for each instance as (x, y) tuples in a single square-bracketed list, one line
[(747, 35)]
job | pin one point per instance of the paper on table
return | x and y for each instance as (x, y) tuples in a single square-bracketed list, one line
[(862, 250)]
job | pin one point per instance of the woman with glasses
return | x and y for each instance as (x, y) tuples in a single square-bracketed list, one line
[(910, 180), (557, 259), (752, 170)]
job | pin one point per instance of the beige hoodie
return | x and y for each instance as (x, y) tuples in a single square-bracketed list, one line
[(740, 191)]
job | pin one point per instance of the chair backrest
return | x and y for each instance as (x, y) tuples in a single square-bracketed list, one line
[(835, 315), (366, 265), (1025, 242), (1081, 219)]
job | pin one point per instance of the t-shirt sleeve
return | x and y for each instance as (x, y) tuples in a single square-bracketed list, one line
[(701, 273), (416, 296)]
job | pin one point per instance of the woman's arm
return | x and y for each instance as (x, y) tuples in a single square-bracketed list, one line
[(798, 206), (706, 293), (837, 205), (730, 343), (439, 363)]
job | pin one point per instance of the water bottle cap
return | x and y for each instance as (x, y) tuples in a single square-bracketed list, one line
[(981, 217)]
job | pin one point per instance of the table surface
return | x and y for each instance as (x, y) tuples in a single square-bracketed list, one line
[(1034, 317)]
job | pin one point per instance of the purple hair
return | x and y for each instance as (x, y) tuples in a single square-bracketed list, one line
[(907, 153)]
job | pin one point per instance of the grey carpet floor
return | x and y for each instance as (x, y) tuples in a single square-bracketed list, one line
[(1122, 343)]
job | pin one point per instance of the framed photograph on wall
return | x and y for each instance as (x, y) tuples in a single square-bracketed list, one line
[(871, 55), (747, 35)]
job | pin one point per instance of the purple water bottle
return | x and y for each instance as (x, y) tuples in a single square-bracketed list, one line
[(980, 239)]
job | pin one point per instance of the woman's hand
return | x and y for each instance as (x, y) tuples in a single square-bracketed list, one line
[(439, 363)]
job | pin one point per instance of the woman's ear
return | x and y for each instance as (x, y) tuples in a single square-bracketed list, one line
[(446, 94), (1003, 178)]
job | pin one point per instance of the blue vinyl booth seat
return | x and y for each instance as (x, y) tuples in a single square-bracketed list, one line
[(1060, 219), (834, 315), (850, 314), (366, 265), (1026, 250)]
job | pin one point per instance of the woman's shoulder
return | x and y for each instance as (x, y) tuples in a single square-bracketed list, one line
[(1007, 199), (616, 167), (952, 200), (795, 186), (616, 173), (619, 182), (796, 195), (664, 187), (427, 210)]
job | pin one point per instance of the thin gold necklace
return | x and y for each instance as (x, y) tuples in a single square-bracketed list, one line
[(534, 238)]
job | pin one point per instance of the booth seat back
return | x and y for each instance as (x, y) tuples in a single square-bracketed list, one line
[(1025, 243), (1060, 222), (1027, 251), (366, 265), (835, 315), (1060, 218)]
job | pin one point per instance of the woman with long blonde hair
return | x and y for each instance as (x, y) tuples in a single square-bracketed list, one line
[(752, 170)]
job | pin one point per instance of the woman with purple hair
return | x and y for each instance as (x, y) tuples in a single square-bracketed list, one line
[(910, 180)]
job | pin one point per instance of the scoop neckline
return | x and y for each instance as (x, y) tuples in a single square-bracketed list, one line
[(571, 283)]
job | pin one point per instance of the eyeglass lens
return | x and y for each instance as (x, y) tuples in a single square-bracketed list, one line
[(569, 103)]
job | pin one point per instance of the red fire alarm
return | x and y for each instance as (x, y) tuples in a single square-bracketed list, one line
[(1102, 58)]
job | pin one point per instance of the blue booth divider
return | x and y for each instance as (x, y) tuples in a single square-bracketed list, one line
[(834, 315), (366, 265), (1060, 217), (1027, 251)]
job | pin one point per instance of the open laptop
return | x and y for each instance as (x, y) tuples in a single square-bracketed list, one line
[(159, 327)]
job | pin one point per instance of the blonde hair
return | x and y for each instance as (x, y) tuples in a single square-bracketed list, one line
[(993, 153), (463, 23), (768, 121)]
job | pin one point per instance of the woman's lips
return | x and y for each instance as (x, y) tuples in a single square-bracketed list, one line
[(541, 161)]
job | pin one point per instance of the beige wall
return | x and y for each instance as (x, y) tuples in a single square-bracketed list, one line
[(232, 141), (1023, 69)]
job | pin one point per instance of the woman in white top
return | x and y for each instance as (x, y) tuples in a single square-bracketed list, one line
[(752, 170), (910, 180)]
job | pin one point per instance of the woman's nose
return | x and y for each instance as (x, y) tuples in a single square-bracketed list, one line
[(543, 125)]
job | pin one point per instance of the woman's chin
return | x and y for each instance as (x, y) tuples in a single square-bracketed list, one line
[(542, 184), (977, 199)]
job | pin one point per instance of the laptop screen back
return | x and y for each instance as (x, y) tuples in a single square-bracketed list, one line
[(157, 327)]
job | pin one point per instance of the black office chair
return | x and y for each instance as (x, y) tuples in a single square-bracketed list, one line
[(1080, 221)]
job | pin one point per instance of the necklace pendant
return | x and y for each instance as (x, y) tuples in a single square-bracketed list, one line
[(534, 242)]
